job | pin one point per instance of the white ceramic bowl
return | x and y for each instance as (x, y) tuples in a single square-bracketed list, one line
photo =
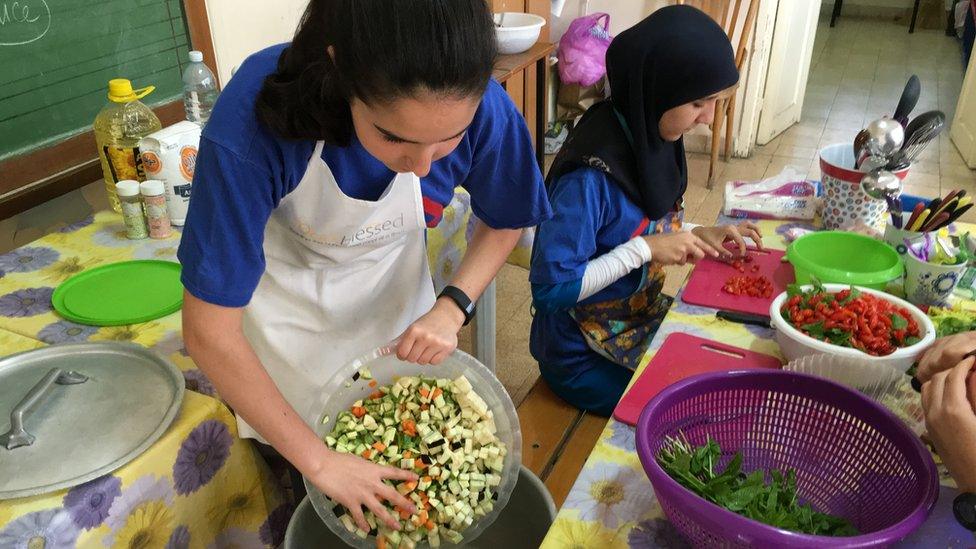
[(795, 344), (518, 31)]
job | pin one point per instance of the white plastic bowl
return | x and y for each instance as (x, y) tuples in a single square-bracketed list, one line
[(386, 368), (518, 31), (795, 344)]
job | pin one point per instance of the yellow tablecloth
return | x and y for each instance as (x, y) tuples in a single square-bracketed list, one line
[(199, 485), (612, 504)]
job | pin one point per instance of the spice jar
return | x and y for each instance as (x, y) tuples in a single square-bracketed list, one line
[(153, 196), (135, 221)]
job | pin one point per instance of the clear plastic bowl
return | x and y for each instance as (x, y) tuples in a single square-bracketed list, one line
[(386, 368)]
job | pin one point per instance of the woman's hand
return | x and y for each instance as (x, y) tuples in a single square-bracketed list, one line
[(945, 353), (354, 483), (717, 236), (951, 421), (678, 248), (433, 336)]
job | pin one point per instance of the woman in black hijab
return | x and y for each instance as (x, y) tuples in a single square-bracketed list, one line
[(616, 191)]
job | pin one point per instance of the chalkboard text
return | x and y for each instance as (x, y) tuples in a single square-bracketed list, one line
[(23, 22)]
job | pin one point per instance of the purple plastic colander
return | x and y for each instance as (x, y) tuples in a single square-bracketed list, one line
[(853, 458)]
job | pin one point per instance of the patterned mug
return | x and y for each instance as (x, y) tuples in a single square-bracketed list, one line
[(929, 283)]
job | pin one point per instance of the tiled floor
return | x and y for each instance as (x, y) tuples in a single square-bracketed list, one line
[(858, 71)]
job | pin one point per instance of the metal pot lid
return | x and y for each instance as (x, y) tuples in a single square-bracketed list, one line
[(72, 413)]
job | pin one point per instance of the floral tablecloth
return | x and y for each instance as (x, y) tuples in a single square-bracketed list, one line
[(612, 504), (199, 485)]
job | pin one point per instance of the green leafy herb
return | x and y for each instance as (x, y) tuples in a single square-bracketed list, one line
[(774, 503), (898, 322)]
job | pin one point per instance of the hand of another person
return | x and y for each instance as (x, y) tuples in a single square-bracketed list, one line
[(945, 353), (951, 421)]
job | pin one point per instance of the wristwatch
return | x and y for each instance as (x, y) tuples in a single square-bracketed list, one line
[(964, 508), (462, 300)]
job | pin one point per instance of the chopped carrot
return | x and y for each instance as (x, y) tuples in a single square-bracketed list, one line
[(409, 427), (358, 411), (404, 514), (379, 446), (376, 395), (407, 454), (429, 524), (367, 454), (437, 392), (372, 383), (425, 406), (424, 392), (381, 542), (420, 465), (425, 479)]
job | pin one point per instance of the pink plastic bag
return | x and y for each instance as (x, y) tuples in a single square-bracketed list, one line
[(583, 50)]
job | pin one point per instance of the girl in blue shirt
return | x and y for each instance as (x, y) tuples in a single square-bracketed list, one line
[(616, 191), (321, 167)]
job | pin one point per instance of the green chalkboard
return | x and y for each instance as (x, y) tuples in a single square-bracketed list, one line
[(57, 56)]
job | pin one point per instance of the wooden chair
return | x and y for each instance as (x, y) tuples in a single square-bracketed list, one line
[(728, 16)]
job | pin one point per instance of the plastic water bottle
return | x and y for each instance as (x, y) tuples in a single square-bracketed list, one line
[(199, 89)]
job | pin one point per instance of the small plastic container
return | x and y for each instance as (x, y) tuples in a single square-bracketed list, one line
[(346, 387), (154, 197), (135, 221)]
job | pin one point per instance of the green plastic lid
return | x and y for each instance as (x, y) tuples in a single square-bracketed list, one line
[(123, 293)]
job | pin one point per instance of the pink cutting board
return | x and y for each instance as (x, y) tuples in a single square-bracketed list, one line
[(704, 288), (682, 356)]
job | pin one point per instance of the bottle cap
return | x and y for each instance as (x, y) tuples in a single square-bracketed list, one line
[(196, 56), (152, 187), (127, 187), (120, 91)]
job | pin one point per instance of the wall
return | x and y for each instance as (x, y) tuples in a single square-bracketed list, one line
[(623, 13), (242, 27)]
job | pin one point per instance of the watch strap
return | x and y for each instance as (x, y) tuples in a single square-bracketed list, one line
[(462, 300)]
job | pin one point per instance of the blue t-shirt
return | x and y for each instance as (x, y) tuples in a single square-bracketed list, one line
[(243, 171), (591, 216)]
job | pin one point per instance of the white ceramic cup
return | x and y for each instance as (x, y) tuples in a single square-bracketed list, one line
[(928, 283)]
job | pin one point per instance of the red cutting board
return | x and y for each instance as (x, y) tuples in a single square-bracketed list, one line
[(682, 356), (704, 288)]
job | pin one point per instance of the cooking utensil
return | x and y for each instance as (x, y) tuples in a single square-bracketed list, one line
[(885, 136), (18, 436), (880, 184), (921, 131), (955, 215), (744, 318), (682, 356), (86, 430), (908, 100), (872, 163), (916, 211), (860, 146)]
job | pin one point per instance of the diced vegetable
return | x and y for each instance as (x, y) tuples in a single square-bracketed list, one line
[(441, 430)]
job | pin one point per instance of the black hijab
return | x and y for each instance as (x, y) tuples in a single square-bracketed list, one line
[(676, 55)]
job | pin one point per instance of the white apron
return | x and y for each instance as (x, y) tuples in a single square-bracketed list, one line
[(343, 276)]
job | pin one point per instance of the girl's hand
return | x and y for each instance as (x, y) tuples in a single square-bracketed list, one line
[(354, 482), (717, 236), (678, 248), (433, 336), (951, 421), (945, 353)]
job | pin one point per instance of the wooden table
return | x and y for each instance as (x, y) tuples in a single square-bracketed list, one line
[(508, 66)]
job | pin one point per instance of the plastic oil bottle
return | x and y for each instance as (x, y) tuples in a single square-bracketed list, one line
[(118, 128)]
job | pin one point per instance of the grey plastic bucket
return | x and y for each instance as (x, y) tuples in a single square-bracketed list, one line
[(523, 523)]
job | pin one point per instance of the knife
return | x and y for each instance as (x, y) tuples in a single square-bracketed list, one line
[(744, 318)]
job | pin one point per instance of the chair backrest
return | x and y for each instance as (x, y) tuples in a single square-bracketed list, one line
[(736, 18)]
